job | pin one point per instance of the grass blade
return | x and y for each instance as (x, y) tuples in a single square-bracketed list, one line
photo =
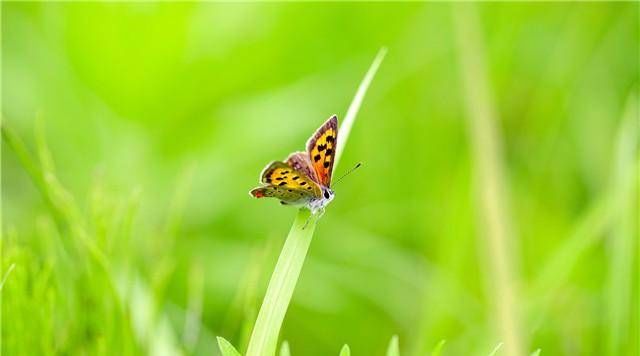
[(587, 233), (226, 348), (350, 117), (492, 199), (283, 281), (536, 352), (346, 351), (6, 275), (623, 237), (264, 338), (284, 349), (495, 349), (393, 349), (437, 351)]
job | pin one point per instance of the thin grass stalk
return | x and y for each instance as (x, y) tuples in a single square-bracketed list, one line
[(602, 214), (588, 231), (489, 178), (622, 239), (264, 337), (350, 117), (2, 240), (59, 201)]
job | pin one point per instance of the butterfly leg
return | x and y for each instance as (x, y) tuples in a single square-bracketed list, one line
[(307, 222), (316, 214)]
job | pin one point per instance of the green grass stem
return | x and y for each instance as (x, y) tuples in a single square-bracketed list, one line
[(6, 275), (495, 349), (226, 348), (602, 213), (437, 351), (350, 117), (624, 235), (394, 348), (492, 199), (284, 349), (264, 338)]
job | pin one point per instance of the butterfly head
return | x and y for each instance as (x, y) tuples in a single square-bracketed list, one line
[(327, 195), (318, 204)]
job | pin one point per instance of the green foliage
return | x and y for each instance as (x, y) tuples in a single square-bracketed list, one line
[(132, 132)]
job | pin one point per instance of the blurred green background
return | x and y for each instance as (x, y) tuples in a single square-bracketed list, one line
[(147, 123)]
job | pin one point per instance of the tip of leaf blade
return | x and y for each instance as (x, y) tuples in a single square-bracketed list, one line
[(284, 349), (226, 348), (394, 348), (438, 349), (346, 351)]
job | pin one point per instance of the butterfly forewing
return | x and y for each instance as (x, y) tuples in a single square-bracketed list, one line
[(300, 162), (322, 150)]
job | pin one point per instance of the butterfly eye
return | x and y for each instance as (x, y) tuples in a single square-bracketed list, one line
[(326, 194)]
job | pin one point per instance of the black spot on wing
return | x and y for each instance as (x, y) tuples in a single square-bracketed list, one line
[(329, 151), (316, 158), (303, 183), (295, 177), (322, 147), (330, 138), (282, 183), (326, 164)]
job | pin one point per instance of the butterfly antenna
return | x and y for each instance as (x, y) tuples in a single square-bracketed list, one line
[(348, 172)]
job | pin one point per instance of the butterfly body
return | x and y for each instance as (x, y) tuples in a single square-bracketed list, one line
[(318, 204), (304, 178)]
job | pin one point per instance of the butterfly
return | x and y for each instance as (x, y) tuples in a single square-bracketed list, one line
[(304, 178)]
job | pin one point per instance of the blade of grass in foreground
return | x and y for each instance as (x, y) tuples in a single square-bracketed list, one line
[(346, 351), (437, 351), (285, 276), (393, 349)]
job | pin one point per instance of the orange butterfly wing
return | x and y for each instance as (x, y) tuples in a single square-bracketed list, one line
[(300, 162), (322, 150)]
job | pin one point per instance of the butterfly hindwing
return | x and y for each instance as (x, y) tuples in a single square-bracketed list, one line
[(286, 183), (322, 150), (285, 195), (300, 162)]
